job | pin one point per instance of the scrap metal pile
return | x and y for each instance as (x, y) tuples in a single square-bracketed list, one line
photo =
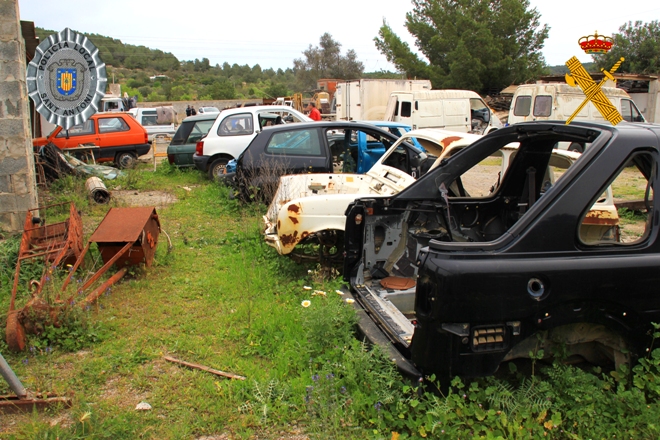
[(126, 237)]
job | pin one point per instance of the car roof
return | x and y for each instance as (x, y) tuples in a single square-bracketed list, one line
[(336, 125), (387, 124), (440, 135), (109, 114), (202, 117), (254, 108)]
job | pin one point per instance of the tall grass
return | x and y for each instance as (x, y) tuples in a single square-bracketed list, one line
[(224, 299)]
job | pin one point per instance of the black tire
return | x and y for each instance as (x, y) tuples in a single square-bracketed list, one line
[(577, 147), (125, 160), (217, 167)]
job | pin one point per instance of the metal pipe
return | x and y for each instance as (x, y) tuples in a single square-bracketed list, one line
[(11, 378), (97, 190)]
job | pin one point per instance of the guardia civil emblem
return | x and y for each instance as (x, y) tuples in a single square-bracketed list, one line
[(66, 78), (580, 77)]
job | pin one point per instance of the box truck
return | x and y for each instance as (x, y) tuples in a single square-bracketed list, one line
[(366, 99)]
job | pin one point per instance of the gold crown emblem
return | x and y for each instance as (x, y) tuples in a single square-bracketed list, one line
[(596, 43)]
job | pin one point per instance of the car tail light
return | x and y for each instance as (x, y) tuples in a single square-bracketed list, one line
[(170, 159), (358, 219), (199, 148), (146, 137)]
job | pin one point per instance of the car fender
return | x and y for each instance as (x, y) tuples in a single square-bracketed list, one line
[(300, 218)]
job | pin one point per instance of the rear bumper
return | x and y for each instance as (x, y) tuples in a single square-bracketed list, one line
[(201, 162), (142, 149)]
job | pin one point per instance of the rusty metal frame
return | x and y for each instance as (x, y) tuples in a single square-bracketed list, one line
[(126, 236), (56, 242)]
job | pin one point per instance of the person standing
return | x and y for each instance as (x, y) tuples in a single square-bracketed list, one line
[(188, 112), (193, 112), (314, 113)]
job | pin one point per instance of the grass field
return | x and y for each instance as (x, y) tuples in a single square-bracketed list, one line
[(222, 298)]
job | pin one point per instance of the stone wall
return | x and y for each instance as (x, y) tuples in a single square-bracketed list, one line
[(18, 191)]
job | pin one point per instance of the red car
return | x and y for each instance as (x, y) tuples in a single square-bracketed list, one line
[(120, 138)]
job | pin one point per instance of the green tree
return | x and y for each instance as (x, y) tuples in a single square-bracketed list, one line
[(277, 90), (178, 91), (202, 66), (472, 44), (639, 44), (222, 89), (145, 91), (326, 61)]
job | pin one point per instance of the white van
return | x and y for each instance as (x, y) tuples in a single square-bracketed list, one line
[(454, 110), (558, 101)]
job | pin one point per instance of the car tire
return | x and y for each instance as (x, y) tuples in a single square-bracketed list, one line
[(125, 160), (577, 147), (217, 167)]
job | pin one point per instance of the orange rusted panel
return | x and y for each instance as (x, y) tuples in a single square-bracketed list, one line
[(601, 217), (293, 208), (448, 140)]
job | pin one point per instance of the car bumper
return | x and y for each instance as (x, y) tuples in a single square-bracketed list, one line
[(181, 155), (201, 162), (142, 149)]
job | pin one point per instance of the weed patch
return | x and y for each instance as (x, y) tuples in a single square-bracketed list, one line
[(224, 299)]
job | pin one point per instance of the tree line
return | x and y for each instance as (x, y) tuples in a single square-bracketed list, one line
[(480, 45)]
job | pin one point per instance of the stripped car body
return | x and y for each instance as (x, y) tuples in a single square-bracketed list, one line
[(317, 147), (459, 284), (310, 207)]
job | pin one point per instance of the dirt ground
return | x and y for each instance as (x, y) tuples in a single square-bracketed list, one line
[(143, 198)]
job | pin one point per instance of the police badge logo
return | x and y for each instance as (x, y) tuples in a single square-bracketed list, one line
[(66, 79)]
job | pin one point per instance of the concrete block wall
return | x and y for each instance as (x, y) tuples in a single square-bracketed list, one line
[(18, 189)]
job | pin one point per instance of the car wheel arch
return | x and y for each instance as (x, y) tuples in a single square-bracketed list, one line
[(581, 338), (216, 161), (219, 156)]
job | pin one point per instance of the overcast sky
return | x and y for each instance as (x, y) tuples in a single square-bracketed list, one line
[(274, 33)]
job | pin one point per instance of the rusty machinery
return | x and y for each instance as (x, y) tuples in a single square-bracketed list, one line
[(125, 237), (59, 242)]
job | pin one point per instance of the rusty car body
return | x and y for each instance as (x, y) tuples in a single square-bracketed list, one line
[(309, 208)]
